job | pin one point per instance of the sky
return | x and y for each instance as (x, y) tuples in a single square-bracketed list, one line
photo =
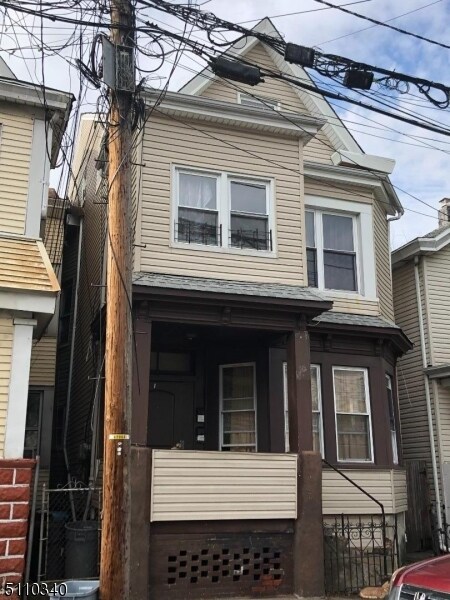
[(422, 157)]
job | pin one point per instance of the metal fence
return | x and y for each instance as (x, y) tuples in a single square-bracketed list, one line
[(69, 533), (359, 552)]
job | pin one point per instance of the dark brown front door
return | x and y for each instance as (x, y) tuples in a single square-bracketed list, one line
[(171, 414)]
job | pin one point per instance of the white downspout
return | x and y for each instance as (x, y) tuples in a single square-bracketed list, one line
[(427, 392)]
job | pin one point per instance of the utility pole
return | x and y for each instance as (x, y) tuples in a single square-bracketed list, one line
[(115, 541)]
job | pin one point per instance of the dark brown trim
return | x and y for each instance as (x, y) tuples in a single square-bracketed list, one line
[(298, 305), (400, 341), (141, 377), (238, 526)]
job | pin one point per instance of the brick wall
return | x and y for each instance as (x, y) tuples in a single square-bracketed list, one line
[(15, 481)]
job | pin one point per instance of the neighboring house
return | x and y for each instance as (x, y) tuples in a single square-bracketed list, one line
[(38, 425), (263, 339), (421, 277), (30, 137)]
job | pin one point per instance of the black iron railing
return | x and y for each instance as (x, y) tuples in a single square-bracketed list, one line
[(198, 233), (251, 238), (360, 550)]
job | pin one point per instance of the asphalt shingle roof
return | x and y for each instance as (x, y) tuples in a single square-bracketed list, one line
[(222, 286), (357, 320)]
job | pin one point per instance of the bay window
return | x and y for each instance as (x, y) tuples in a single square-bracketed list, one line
[(238, 407), (331, 251), (392, 419), (352, 414), (220, 209)]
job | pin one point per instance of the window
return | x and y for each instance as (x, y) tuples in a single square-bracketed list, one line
[(33, 425), (392, 420), (238, 408), (331, 251), (65, 312), (353, 422), (223, 210), (197, 209), (249, 219), (311, 251), (266, 103), (317, 422)]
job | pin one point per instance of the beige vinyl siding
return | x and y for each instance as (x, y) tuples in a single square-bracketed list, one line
[(355, 306), (444, 422), (198, 486), (438, 291), (16, 136), (340, 496), (400, 492), (411, 388), (168, 143), (337, 190), (383, 261), (320, 148), (6, 347), (43, 359)]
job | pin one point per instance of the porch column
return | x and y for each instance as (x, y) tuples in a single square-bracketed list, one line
[(308, 527), (299, 391), (140, 468), (141, 376)]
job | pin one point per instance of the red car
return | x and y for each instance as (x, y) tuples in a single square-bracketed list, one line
[(425, 580)]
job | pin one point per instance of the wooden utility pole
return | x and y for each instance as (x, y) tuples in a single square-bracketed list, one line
[(115, 544)]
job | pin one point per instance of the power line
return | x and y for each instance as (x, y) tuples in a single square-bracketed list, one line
[(385, 24)]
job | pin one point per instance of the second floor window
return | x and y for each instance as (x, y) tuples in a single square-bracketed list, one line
[(331, 251), (197, 209), (219, 209)]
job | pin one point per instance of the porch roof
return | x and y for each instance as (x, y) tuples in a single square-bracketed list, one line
[(366, 325), (224, 286), (218, 301)]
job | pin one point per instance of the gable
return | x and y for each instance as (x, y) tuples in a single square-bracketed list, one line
[(320, 148)]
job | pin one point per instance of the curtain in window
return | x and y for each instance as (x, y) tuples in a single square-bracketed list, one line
[(352, 418), (238, 409), (197, 214), (197, 191)]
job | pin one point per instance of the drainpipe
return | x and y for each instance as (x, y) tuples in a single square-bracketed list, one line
[(427, 391), (72, 349)]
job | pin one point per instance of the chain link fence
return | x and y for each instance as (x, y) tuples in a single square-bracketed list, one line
[(69, 534)]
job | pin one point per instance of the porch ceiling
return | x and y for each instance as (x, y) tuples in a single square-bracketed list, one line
[(218, 301)]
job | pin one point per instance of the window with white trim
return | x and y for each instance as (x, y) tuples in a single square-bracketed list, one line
[(392, 419), (317, 421), (238, 407), (258, 102), (223, 210), (198, 215), (352, 413), (331, 248)]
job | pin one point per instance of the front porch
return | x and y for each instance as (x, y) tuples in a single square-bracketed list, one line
[(219, 508), (233, 404)]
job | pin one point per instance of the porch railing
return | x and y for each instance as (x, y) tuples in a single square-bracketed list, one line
[(355, 543)]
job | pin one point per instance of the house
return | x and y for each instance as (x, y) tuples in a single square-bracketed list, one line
[(30, 137), (264, 341), (421, 280)]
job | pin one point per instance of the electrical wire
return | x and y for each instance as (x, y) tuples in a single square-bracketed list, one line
[(385, 23)]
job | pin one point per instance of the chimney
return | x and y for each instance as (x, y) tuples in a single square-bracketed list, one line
[(444, 212)]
